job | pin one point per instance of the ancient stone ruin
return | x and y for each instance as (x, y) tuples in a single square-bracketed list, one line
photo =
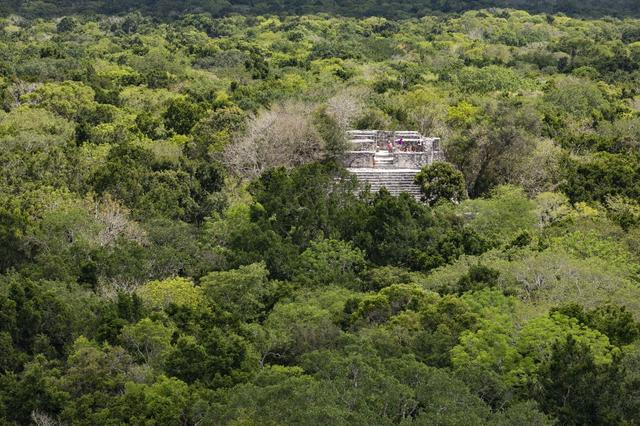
[(390, 159)]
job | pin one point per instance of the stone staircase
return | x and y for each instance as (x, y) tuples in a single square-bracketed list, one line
[(395, 181), (383, 160)]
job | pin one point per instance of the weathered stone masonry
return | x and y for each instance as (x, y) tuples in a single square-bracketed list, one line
[(390, 159)]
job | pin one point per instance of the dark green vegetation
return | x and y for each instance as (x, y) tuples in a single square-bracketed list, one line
[(179, 246), (390, 9)]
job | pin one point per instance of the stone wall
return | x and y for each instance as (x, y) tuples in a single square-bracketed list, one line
[(438, 156), (359, 159), (410, 160), (411, 150)]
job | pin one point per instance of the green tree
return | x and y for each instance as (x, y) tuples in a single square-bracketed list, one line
[(241, 293), (181, 115), (441, 182), (599, 176), (615, 322), (478, 277), (216, 130), (148, 341), (505, 214), (66, 24), (574, 389), (177, 291), (330, 262), (283, 395), (295, 330), (66, 99), (489, 79), (332, 133), (36, 389), (187, 360), (13, 225), (166, 401)]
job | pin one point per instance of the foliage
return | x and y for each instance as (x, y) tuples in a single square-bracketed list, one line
[(576, 387), (180, 244), (501, 217), (441, 182), (331, 262), (176, 291), (241, 293)]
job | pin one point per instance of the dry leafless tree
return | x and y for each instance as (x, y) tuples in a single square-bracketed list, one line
[(282, 136)]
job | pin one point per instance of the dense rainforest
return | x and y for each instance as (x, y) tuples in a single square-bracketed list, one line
[(389, 9), (179, 244)]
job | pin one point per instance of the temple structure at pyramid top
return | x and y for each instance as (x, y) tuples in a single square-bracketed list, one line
[(380, 149), (390, 160)]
